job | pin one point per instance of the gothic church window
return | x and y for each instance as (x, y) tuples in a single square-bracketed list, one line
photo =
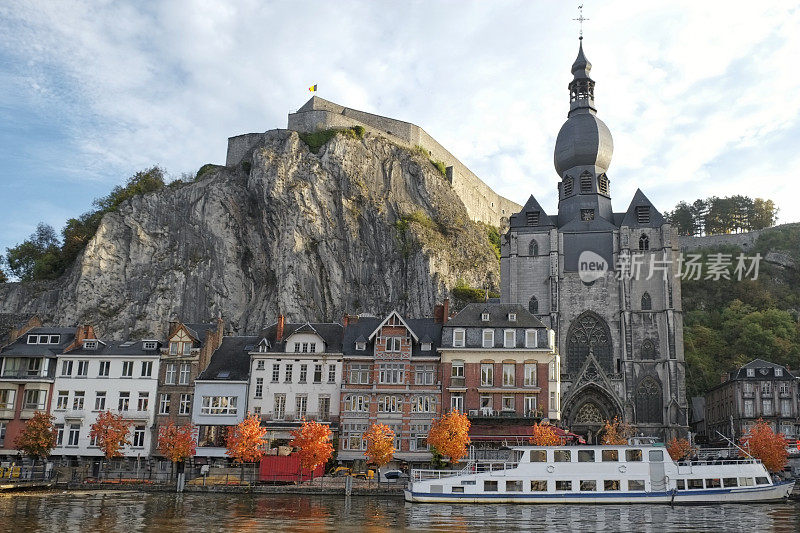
[(568, 186), (532, 218), (648, 350), (588, 334), (533, 248), (586, 182), (647, 303), (644, 242), (649, 401), (589, 414), (533, 305)]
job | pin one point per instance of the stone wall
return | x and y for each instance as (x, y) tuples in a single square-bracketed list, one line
[(741, 240), (482, 203)]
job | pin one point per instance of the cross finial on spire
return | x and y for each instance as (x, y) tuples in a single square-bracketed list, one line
[(580, 20)]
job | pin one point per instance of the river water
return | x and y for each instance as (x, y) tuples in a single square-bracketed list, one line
[(163, 512)]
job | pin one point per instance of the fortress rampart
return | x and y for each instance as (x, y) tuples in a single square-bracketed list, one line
[(481, 202)]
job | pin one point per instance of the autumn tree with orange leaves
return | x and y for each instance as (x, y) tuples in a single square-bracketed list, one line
[(679, 449), (449, 435), (38, 437), (616, 432), (544, 435), (313, 440), (380, 444), (246, 440), (176, 443), (111, 431), (764, 444)]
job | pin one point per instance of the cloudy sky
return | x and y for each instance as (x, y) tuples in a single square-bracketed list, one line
[(701, 97)]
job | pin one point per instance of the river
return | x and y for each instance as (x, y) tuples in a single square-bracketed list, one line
[(164, 512)]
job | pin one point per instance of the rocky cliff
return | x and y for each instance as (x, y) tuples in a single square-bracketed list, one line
[(362, 226)]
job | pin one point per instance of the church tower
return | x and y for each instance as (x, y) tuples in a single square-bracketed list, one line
[(620, 336)]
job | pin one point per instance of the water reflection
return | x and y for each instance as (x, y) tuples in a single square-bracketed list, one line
[(121, 511)]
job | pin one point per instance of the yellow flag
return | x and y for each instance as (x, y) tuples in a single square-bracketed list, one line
[(313, 88)]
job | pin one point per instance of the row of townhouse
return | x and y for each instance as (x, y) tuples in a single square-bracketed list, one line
[(495, 362)]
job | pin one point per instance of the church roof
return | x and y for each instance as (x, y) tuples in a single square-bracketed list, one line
[(581, 67), (521, 219), (639, 217)]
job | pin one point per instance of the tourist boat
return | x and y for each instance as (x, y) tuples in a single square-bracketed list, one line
[(636, 473)]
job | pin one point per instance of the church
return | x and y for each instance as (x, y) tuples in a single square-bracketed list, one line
[(606, 282)]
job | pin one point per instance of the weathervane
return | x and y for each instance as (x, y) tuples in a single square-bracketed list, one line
[(580, 20)]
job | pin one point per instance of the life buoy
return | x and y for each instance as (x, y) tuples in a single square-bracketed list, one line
[(550, 468), (622, 469)]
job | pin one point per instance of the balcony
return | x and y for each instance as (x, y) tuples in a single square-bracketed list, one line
[(485, 413), (24, 374), (135, 415), (457, 382), (74, 414)]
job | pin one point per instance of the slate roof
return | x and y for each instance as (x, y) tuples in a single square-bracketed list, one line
[(360, 331), (518, 220), (231, 361), (331, 333), (759, 364), (470, 316), (198, 331), (21, 348), (639, 199), (129, 347)]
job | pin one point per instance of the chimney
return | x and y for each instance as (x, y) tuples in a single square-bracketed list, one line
[(346, 320), (212, 341), (173, 327), (19, 331), (446, 311), (81, 333), (438, 312), (279, 331)]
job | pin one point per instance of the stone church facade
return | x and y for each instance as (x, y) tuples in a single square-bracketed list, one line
[(607, 283)]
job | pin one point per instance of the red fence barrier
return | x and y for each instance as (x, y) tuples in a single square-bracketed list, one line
[(286, 468)]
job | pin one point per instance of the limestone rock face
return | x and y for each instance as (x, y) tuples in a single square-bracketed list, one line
[(362, 226)]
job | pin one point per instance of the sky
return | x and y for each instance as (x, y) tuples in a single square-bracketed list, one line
[(700, 97)]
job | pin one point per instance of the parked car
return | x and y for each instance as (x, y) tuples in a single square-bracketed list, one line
[(395, 475)]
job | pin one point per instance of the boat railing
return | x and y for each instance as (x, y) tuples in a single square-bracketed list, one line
[(472, 467)]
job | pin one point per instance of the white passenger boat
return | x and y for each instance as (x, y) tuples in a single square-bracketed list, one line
[(598, 474)]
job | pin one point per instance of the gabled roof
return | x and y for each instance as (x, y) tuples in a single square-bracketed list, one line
[(197, 331), (331, 333), (231, 361), (760, 364), (21, 348), (422, 328), (303, 328), (385, 320), (521, 219), (640, 200), (470, 316)]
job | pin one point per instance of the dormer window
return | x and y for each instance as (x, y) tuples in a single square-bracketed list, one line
[(512, 317), (44, 339), (361, 346), (263, 348), (485, 317), (778, 372), (89, 345), (532, 218), (426, 347), (150, 345), (643, 214), (751, 372)]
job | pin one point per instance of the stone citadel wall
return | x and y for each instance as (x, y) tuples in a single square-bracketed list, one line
[(481, 202)]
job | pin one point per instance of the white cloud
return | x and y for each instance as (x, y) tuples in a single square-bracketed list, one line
[(682, 86)]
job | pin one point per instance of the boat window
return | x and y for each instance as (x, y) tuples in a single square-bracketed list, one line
[(636, 484), (633, 455), (588, 485), (585, 456), (680, 484), (695, 483), (729, 482), (457, 489), (656, 456), (563, 485), (538, 485), (746, 482), (712, 483), (538, 456), (489, 486), (437, 489), (513, 486), (611, 484), (562, 456), (610, 455), (762, 481), (468, 482)]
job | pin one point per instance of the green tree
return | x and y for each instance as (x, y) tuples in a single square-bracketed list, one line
[(764, 214), (683, 219), (142, 182), (38, 257)]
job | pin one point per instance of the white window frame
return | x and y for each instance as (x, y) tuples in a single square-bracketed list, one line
[(185, 371), (457, 368), (531, 374), (531, 338), (457, 402), (487, 374), (487, 342), (147, 369), (459, 338), (509, 378), (163, 404), (509, 338), (185, 405), (127, 369), (171, 374), (219, 405), (104, 366)]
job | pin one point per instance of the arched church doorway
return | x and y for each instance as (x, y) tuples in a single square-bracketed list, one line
[(587, 410)]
